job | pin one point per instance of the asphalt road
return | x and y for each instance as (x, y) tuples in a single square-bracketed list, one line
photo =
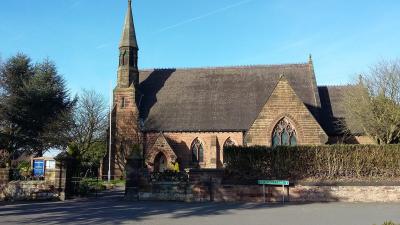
[(112, 209)]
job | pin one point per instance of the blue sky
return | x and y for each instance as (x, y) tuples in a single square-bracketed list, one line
[(81, 36)]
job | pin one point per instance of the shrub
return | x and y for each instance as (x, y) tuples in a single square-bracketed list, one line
[(169, 176), (389, 223), (329, 161), (90, 185), (24, 169)]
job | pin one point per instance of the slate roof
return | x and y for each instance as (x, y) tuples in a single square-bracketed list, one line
[(332, 113), (216, 99)]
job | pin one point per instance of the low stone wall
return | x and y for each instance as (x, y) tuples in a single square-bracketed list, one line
[(29, 190), (248, 193), (301, 193), (254, 193), (52, 188), (166, 191), (206, 185)]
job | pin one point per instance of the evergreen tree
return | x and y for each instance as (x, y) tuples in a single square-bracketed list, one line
[(35, 106)]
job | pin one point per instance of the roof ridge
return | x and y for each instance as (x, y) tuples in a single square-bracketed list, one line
[(337, 85), (229, 67)]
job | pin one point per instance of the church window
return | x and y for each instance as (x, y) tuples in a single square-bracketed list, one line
[(284, 134), (123, 103), (229, 142), (197, 150)]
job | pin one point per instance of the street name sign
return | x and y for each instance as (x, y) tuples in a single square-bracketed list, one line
[(282, 183), (274, 182)]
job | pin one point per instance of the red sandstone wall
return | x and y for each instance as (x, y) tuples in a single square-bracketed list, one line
[(124, 127), (206, 185), (180, 142)]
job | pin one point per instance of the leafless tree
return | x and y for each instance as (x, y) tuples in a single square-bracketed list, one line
[(89, 132), (374, 103)]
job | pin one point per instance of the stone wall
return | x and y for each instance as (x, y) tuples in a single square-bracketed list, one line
[(364, 140), (30, 190), (180, 142), (57, 178), (52, 188), (4, 175), (299, 193), (254, 193), (166, 191), (207, 185), (125, 133)]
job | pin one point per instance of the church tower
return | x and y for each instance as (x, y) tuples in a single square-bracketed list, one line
[(125, 116)]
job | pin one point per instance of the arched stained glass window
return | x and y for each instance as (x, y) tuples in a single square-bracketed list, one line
[(284, 134), (197, 149), (229, 142)]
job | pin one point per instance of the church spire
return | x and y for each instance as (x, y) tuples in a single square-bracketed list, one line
[(128, 35), (128, 71)]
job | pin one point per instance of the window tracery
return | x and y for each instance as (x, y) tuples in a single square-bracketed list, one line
[(197, 150), (284, 134)]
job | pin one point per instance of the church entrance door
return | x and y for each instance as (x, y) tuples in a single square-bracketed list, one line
[(160, 162)]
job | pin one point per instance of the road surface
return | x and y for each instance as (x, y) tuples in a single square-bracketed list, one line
[(112, 209)]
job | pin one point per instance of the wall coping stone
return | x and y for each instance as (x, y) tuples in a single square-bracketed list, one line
[(347, 183)]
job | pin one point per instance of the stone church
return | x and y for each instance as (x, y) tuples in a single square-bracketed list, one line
[(189, 115)]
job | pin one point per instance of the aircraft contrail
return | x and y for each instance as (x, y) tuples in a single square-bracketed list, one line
[(204, 15)]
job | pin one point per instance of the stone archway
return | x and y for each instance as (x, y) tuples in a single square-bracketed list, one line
[(289, 119), (162, 147), (155, 153), (160, 162)]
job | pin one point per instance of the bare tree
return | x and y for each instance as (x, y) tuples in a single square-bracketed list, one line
[(374, 103), (89, 133)]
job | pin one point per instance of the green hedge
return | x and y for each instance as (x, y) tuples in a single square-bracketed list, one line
[(300, 162)]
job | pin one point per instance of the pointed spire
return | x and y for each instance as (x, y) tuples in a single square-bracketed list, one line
[(310, 61), (128, 35)]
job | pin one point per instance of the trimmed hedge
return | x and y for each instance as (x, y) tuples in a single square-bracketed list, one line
[(320, 162)]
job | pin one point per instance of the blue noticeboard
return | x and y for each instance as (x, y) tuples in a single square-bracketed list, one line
[(38, 168)]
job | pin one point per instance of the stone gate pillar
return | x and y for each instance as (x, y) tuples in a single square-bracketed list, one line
[(135, 178)]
